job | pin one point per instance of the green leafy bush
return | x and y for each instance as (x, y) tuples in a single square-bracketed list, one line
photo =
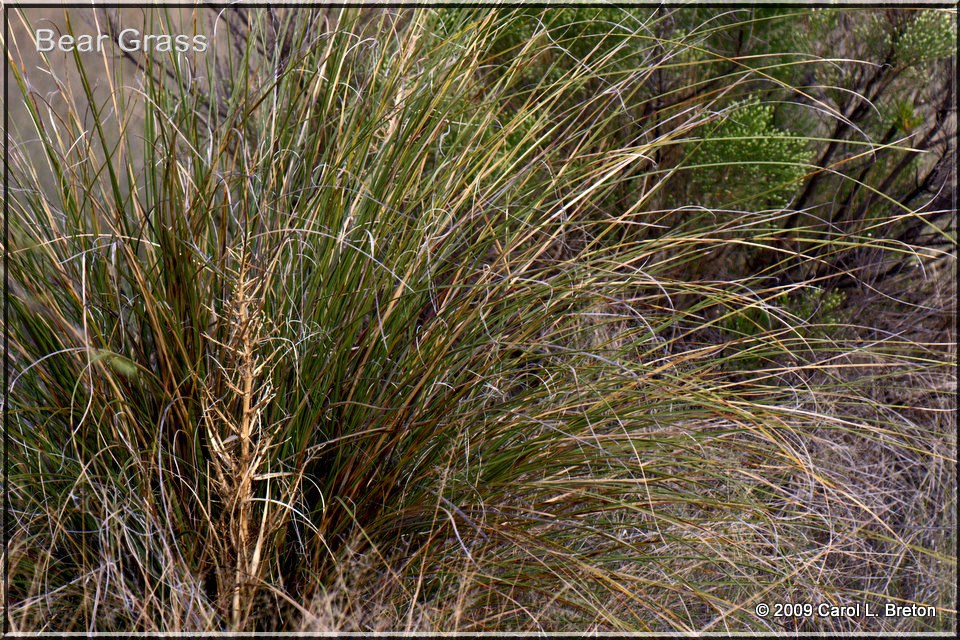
[(929, 35), (747, 160)]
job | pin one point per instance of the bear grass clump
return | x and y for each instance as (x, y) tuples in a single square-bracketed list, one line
[(347, 345)]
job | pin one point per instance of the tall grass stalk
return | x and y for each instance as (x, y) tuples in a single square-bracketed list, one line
[(351, 340)]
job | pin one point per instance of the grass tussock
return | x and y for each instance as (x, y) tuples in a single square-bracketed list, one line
[(376, 330)]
